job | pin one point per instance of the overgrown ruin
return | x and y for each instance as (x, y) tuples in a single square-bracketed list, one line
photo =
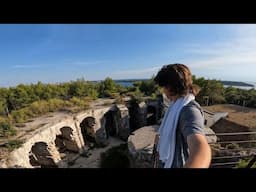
[(106, 135), (65, 141)]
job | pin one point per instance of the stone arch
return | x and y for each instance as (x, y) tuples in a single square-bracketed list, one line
[(110, 124), (87, 130), (151, 115), (40, 156), (65, 141)]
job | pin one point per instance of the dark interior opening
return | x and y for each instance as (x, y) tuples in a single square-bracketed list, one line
[(87, 130), (110, 125), (39, 156), (151, 115), (134, 121), (64, 142)]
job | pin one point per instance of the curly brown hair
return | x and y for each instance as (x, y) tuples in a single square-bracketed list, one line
[(178, 78)]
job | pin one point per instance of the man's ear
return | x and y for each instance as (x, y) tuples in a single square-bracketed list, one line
[(170, 91)]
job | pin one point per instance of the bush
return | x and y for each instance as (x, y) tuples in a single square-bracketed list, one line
[(14, 144), (6, 129), (243, 163), (82, 103), (93, 93), (20, 116), (232, 146)]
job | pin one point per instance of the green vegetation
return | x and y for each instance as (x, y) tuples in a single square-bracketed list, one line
[(213, 92), (42, 107), (13, 144), (108, 88), (232, 146), (148, 88), (21, 103), (24, 102), (244, 162), (6, 128)]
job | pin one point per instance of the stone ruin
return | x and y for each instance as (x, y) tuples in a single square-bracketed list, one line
[(59, 144)]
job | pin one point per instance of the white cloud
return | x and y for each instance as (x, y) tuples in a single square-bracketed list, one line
[(25, 66), (238, 51)]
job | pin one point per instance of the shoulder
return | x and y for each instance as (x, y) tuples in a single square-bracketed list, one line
[(191, 119), (192, 108)]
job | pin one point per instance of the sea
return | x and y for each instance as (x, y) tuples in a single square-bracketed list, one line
[(127, 83)]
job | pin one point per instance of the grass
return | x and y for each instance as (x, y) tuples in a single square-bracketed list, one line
[(243, 163), (13, 144)]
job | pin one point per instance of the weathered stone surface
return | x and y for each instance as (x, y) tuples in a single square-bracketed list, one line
[(211, 138), (140, 145), (142, 114), (72, 139), (123, 123)]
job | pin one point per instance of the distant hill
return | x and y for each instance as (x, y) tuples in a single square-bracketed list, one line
[(236, 83)]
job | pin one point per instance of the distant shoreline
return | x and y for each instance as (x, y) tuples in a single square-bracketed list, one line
[(236, 83), (129, 82)]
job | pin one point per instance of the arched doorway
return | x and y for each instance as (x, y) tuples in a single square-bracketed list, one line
[(110, 125), (87, 130), (65, 141), (39, 156)]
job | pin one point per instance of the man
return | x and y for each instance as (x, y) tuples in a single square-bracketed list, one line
[(182, 142)]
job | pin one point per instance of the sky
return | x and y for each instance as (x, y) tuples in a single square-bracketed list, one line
[(54, 53)]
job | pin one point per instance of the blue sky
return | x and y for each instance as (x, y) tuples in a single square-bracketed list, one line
[(64, 52)]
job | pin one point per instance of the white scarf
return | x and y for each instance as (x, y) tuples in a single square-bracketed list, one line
[(167, 130)]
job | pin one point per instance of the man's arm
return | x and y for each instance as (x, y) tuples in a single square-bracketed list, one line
[(199, 152)]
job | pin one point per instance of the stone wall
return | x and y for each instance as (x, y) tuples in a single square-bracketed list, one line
[(140, 145), (23, 156)]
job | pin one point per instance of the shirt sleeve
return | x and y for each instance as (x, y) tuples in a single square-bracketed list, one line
[(191, 121)]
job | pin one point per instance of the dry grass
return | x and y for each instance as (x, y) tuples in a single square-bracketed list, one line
[(238, 114)]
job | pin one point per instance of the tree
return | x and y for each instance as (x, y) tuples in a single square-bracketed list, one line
[(213, 89), (107, 87), (231, 95)]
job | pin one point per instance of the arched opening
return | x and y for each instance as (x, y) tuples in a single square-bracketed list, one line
[(39, 156), (110, 125), (151, 115), (65, 141), (134, 113), (87, 130)]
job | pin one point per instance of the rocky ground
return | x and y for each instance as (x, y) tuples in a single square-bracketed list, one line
[(93, 159)]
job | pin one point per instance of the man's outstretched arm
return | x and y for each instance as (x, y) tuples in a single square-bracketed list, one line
[(199, 152)]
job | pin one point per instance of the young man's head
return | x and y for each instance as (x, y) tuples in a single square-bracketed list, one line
[(176, 80)]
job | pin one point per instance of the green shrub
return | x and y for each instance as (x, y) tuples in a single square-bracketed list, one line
[(13, 144), (232, 146), (20, 116), (6, 129), (244, 162)]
